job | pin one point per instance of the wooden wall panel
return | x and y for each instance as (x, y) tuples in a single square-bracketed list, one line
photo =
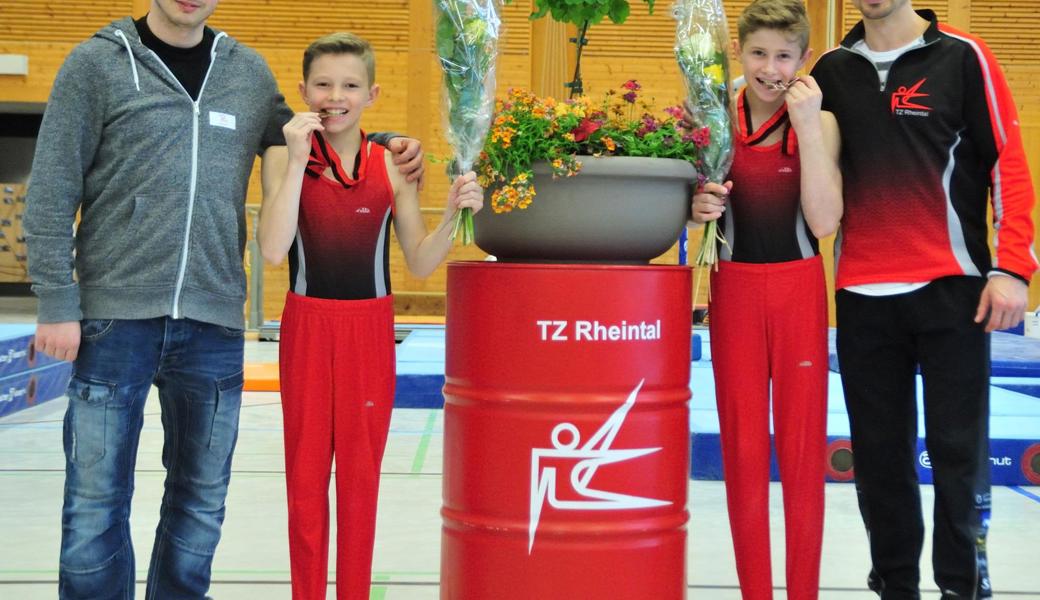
[(1009, 28), (293, 24), (45, 58), (516, 28), (48, 21), (851, 16), (401, 32), (655, 32)]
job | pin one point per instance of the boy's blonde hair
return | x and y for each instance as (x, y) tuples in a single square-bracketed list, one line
[(785, 16), (341, 43)]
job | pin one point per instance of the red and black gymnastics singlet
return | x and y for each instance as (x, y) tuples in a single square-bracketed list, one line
[(763, 222), (341, 250)]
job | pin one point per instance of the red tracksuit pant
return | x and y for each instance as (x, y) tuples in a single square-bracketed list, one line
[(337, 380), (769, 324)]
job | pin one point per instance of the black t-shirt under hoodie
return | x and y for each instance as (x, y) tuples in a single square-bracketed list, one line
[(188, 65)]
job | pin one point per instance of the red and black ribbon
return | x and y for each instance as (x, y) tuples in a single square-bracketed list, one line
[(752, 137), (324, 157)]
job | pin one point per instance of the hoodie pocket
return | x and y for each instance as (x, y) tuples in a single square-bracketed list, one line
[(141, 248), (217, 241)]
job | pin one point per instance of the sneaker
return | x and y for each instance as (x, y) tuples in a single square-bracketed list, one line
[(874, 582)]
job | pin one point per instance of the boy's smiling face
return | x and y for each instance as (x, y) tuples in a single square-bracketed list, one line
[(770, 59), (338, 89)]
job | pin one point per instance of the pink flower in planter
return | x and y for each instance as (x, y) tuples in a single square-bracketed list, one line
[(584, 129)]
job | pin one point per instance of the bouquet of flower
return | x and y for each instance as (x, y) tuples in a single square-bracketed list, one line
[(528, 128), (467, 44), (700, 48)]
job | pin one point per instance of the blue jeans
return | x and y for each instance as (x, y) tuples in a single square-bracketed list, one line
[(198, 370)]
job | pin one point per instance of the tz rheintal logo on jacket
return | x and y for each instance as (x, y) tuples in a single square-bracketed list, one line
[(906, 101)]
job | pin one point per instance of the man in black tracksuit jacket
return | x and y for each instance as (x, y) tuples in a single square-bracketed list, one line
[(929, 134)]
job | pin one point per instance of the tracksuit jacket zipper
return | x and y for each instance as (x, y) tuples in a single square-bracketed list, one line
[(882, 90)]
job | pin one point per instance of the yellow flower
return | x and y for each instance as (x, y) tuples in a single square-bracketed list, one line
[(543, 126), (716, 74)]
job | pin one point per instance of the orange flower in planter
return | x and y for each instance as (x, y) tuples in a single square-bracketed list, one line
[(528, 128)]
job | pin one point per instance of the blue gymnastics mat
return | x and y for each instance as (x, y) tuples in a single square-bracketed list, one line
[(1014, 420), (1010, 355), (27, 378)]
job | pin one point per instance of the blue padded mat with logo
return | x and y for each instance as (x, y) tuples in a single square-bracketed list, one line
[(1011, 355), (1014, 416), (27, 378)]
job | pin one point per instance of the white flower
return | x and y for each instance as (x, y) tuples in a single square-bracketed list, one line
[(703, 44)]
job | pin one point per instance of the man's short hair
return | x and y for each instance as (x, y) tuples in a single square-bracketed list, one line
[(785, 16), (341, 43)]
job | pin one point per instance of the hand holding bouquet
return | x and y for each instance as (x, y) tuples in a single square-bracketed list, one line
[(700, 48), (467, 44)]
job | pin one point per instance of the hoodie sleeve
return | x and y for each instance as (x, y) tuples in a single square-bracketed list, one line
[(993, 126), (279, 115), (68, 139), (383, 137)]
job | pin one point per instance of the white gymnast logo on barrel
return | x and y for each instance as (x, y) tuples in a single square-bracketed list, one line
[(592, 455)]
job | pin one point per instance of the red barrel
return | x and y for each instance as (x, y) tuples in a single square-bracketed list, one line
[(566, 433)]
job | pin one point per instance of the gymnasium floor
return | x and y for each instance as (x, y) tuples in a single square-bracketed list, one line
[(252, 560)]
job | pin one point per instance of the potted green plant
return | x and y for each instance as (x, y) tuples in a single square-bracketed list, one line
[(583, 181), (638, 170), (631, 200)]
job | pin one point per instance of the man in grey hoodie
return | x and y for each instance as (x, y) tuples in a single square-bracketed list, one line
[(150, 133)]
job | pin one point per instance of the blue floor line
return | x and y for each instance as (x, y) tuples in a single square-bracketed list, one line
[(1025, 493)]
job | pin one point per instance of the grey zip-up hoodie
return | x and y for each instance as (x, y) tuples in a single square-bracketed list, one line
[(160, 180)]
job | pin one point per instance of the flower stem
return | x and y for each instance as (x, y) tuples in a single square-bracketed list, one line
[(708, 255), (463, 223)]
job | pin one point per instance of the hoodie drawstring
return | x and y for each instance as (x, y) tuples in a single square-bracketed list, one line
[(133, 62), (216, 40)]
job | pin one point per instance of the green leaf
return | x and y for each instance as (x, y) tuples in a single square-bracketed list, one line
[(445, 37), (619, 10), (577, 12), (541, 9)]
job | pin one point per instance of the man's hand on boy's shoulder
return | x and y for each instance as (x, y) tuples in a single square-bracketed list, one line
[(407, 154)]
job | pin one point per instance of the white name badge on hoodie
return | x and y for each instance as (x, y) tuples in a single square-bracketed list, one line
[(219, 119)]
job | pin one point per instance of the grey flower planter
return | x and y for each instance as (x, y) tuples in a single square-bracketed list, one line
[(623, 210)]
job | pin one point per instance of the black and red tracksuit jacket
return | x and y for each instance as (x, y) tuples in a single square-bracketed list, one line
[(920, 158)]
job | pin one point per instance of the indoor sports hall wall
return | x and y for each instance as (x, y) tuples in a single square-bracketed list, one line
[(532, 54)]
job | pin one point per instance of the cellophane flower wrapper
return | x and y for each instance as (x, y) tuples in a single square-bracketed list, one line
[(701, 40), (467, 45)]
